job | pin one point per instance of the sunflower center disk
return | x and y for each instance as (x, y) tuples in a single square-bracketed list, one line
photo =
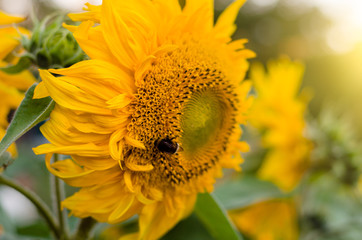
[(201, 120), (184, 103)]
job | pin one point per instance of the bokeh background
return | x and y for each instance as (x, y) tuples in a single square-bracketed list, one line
[(324, 34)]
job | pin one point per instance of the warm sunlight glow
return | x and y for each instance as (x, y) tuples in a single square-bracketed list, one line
[(346, 16)]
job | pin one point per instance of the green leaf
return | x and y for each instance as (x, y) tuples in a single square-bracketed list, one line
[(23, 63), (6, 222), (214, 218), (245, 191), (37, 229), (190, 228), (29, 113)]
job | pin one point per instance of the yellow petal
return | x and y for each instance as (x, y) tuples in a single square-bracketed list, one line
[(58, 130), (201, 15), (142, 69), (77, 176), (143, 199), (119, 36), (92, 13), (139, 168), (95, 72), (88, 149), (171, 7), (12, 149), (273, 219), (225, 26), (95, 163), (154, 222), (116, 144), (120, 101), (128, 181), (84, 204), (123, 206), (9, 19), (9, 39), (40, 91), (135, 143), (91, 40), (70, 96)]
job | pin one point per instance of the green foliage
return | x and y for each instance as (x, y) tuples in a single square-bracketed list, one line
[(38, 229), (209, 221), (191, 228), (5, 222), (214, 218), (29, 113), (246, 190), (330, 211), (338, 150)]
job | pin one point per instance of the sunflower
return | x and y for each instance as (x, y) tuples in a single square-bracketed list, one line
[(278, 111), (9, 34), (268, 220), (11, 86), (154, 115)]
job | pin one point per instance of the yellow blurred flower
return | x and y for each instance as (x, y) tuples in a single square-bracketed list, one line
[(278, 112), (10, 35), (268, 220), (153, 116), (11, 84), (10, 100)]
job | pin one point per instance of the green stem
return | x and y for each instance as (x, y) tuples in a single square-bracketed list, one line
[(59, 196), (84, 228), (40, 205)]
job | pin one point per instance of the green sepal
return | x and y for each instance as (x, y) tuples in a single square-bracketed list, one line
[(214, 218), (5, 160), (23, 64), (29, 113), (51, 45)]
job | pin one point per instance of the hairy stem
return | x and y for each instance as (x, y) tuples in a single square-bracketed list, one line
[(39, 204), (58, 189), (84, 228)]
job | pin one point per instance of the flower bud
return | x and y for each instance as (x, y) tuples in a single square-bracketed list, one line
[(51, 45)]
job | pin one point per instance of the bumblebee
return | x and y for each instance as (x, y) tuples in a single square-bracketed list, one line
[(166, 145)]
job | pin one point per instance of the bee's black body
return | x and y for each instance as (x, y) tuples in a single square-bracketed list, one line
[(166, 145)]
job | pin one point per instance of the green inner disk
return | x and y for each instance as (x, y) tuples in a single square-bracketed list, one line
[(201, 120)]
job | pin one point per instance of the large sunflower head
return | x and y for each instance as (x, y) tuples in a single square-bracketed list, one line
[(278, 112), (153, 116)]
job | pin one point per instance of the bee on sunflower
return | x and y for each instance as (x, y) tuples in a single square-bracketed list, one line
[(153, 116)]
